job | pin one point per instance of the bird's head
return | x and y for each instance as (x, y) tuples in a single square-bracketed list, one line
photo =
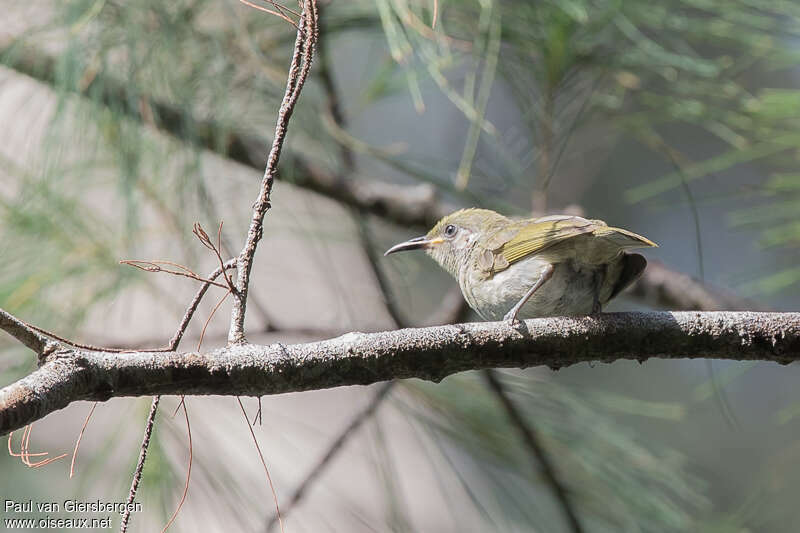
[(451, 241)]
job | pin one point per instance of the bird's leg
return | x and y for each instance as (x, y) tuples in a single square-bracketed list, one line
[(546, 274), (599, 279)]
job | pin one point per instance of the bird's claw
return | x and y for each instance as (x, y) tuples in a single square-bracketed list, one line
[(511, 317)]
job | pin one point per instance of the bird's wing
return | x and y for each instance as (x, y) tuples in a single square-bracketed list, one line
[(524, 238), (530, 237), (624, 239)]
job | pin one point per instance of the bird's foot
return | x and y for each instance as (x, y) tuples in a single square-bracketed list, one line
[(597, 308), (511, 317)]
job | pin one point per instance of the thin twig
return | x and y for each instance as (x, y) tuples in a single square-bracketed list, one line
[(72, 343), (298, 72), (258, 416), (78, 442), (210, 316), (225, 247), (187, 317), (270, 11), (284, 9), (528, 434), (148, 428), (205, 240), (12, 453), (25, 455), (333, 450), (188, 470), (155, 266), (22, 445), (309, 332), (173, 344), (263, 462), (217, 252), (137, 474)]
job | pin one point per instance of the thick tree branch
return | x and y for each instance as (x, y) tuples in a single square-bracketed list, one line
[(426, 353)]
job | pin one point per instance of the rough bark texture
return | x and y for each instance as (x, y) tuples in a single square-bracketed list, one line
[(426, 353)]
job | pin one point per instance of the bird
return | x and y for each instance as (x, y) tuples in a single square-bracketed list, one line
[(557, 265)]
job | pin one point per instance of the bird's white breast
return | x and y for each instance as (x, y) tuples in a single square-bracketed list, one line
[(570, 290)]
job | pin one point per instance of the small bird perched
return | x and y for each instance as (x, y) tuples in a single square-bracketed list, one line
[(550, 266)]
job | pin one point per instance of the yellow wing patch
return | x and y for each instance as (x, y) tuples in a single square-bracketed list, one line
[(522, 239), (533, 237)]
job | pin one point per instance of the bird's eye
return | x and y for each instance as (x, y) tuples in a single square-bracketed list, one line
[(450, 230)]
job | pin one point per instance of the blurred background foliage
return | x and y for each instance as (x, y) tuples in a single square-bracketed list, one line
[(677, 119)]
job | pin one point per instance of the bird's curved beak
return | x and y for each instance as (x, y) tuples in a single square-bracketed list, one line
[(412, 244)]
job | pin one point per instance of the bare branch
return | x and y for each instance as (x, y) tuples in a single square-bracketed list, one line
[(298, 72), (155, 265), (137, 475), (427, 353)]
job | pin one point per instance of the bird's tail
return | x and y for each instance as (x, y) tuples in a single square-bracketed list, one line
[(626, 240)]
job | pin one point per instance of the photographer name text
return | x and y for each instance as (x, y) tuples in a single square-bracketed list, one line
[(70, 506)]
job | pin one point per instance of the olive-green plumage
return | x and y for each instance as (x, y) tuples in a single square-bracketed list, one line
[(555, 265)]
